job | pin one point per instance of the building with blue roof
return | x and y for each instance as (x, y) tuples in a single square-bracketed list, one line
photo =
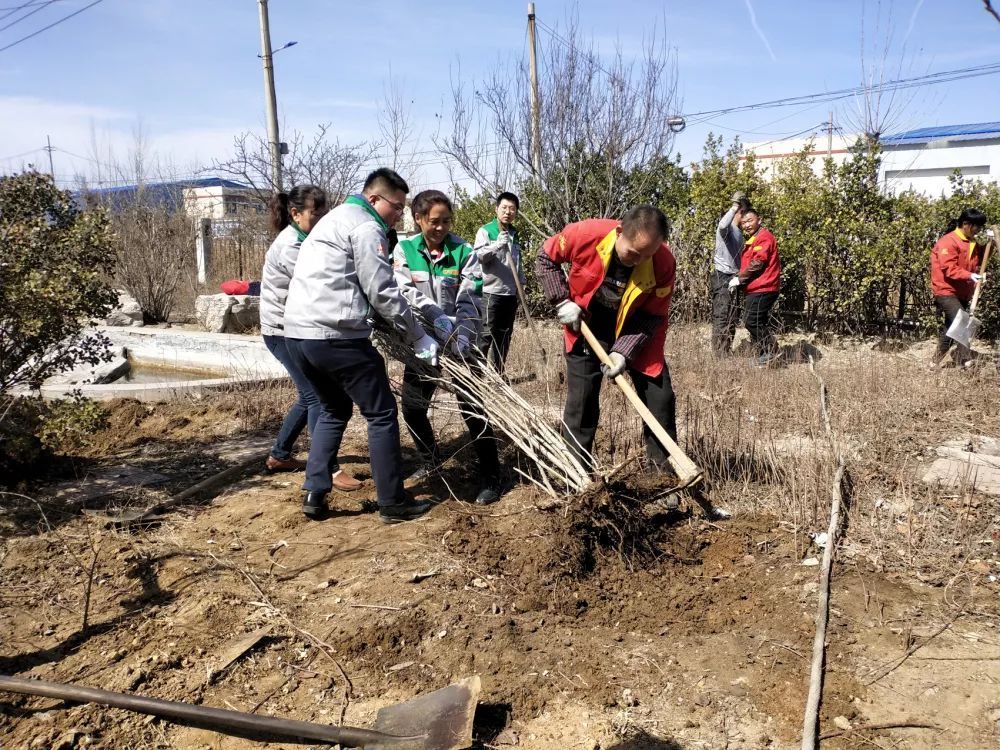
[(202, 198), (922, 159)]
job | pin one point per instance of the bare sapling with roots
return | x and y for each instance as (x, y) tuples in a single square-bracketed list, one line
[(559, 469)]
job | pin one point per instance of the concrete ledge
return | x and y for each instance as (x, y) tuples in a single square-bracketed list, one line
[(227, 360), (152, 391)]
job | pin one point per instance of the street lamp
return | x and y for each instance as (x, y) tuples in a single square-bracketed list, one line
[(276, 51)]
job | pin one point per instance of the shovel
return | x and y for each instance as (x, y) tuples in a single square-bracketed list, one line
[(687, 470), (441, 720), (965, 326), (527, 315)]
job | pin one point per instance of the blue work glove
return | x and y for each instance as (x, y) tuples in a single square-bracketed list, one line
[(426, 348)]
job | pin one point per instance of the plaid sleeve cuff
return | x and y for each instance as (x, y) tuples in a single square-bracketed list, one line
[(552, 279)]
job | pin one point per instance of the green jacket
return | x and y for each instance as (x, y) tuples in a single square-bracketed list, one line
[(448, 286)]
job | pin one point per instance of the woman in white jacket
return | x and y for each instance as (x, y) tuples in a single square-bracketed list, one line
[(293, 215)]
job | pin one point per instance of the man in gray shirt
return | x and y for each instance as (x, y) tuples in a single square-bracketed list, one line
[(728, 248)]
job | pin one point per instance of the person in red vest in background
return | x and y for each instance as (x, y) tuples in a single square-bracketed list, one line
[(621, 278), (955, 263), (760, 280)]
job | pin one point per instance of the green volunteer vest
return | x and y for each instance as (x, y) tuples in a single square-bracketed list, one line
[(493, 231), (456, 252)]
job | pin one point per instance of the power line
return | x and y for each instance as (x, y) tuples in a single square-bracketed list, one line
[(46, 28), (22, 6), (18, 156), (16, 21), (11, 11), (945, 76)]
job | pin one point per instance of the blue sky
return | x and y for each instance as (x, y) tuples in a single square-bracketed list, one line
[(187, 72)]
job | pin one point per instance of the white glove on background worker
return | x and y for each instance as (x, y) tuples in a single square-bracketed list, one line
[(617, 366), (426, 348), (739, 196), (569, 314), (978, 277), (443, 328), (460, 346), (734, 284)]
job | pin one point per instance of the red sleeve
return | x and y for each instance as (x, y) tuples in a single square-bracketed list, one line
[(658, 303), (563, 246), (947, 253)]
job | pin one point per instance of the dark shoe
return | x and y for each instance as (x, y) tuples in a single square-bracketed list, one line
[(400, 512), (345, 482), (423, 473), (489, 493), (273, 464), (314, 505)]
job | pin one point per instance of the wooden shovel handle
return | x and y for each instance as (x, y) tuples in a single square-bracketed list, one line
[(982, 269), (687, 471), (524, 306)]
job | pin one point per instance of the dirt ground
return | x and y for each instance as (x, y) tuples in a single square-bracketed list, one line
[(598, 621)]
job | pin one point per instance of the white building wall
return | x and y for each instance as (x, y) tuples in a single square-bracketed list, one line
[(923, 167), (926, 167)]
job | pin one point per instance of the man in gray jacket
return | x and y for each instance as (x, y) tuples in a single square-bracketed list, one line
[(728, 248), (344, 274), (498, 247)]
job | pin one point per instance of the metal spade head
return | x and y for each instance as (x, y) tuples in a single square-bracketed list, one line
[(443, 719), (963, 328)]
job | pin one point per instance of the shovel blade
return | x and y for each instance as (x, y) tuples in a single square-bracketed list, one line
[(963, 329), (443, 719)]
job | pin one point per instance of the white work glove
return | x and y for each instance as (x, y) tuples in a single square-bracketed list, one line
[(443, 328), (739, 196), (460, 346), (734, 284), (426, 348), (978, 277), (569, 314), (617, 366)]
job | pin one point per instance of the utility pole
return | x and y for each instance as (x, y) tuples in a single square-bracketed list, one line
[(829, 137), (52, 169), (270, 100), (536, 125)]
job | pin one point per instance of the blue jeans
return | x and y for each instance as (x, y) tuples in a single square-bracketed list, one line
[(345, 372), (304, 411)]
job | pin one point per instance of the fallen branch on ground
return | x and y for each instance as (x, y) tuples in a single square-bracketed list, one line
[(810, 723), (876, 727), (880, 672)]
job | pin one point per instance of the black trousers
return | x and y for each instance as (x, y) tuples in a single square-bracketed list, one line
[(417, 393), (950, 307), (344, 372), (582, 411), (499, 311), (725, 313), (759, 323)]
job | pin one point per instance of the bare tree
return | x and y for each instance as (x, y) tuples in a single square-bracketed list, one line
[(153, 236), (600, 119), (315, 160), (880, 107), (395, 123)]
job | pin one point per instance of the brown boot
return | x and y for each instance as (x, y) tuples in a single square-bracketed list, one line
[(284, 464), (345, 482)]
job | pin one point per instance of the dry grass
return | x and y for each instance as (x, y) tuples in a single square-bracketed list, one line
[(759, 435)]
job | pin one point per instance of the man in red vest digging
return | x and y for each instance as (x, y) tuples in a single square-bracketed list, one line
[(620, 281)]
